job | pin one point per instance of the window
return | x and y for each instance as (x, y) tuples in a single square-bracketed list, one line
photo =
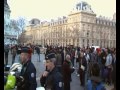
[(97, 42), (66, 21), (87, 40), (97, 21), (60, 22), (87, 34), (104, 22), (92, 41), (83, 40), (88, 27)]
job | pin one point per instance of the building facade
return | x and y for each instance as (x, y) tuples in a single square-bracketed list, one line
[(9, 34), (80, 28)]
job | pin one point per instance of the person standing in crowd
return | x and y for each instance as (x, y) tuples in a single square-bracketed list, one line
[(66, 71), (114, 72), (82, 68), (38, 52), (92, 60), (47, 51), (58, 60), (27, 78), (52, 77), (6, 51), (103, 60), (87, 57), (62, 55), (108, 64), (14, 52), (77, 60), (72, 56), (98, 59), (95, 81)]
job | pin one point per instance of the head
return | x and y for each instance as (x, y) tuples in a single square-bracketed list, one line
[(68, 57), (108, 51), (92, 49), (50, 61), (24, 55), (98, 51)]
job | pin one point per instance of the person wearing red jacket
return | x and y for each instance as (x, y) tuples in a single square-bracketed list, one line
[(66, 71)]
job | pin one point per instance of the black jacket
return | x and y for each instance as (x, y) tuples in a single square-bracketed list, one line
[(28, 72), (54, 80)]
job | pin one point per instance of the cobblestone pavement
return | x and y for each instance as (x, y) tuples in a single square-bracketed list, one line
[(75, 84)]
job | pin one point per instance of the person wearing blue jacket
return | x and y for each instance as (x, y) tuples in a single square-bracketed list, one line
[(95, 82), (51, 79), (27, 78)]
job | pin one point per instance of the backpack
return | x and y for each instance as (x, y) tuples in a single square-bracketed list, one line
[(90, 86)]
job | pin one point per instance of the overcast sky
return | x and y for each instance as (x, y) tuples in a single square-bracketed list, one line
[(51, 9)]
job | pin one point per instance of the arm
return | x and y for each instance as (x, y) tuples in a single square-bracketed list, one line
[(42, 80), (32, 79), (58, 84)]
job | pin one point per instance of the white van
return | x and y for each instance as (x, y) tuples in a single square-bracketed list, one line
[(96, 47)]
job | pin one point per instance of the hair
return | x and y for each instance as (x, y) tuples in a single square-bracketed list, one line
[(92, 49), (95, 70), (67, 56), (109, 51)]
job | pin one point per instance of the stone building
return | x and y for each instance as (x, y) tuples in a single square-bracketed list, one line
[(10, 34), (80, 28)]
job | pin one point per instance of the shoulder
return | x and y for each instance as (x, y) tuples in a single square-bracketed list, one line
[(57, 76), (31, 67), (58, 81), (101, 86), (89, 82), (89, 85)]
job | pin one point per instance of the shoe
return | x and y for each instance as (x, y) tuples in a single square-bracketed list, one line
[(82, 84)]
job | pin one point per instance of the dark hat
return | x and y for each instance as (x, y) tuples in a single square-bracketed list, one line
[(50, 56), (25, 50)]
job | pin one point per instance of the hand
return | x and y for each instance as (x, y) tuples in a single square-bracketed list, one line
[(19, 81), (20, 78), (45, 73), (103, 57)]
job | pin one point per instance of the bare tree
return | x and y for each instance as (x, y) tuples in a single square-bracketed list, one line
[(13, 24), (21, 22), (22, 38)]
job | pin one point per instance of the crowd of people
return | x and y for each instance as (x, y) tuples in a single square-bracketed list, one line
[(94, 67)]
